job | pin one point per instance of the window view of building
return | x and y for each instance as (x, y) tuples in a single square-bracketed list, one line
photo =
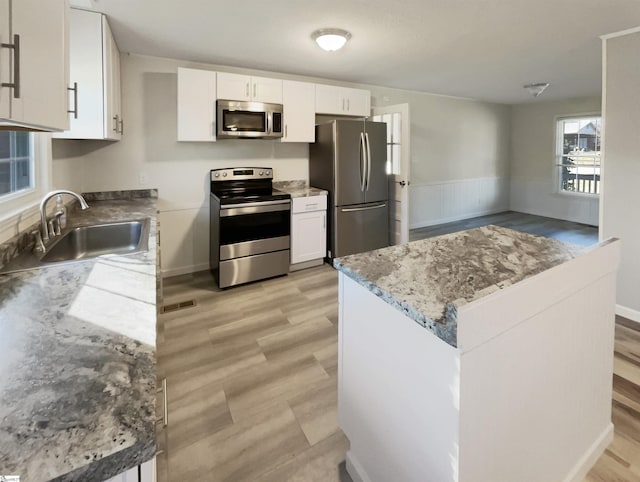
[(16, 167), (578, 154)]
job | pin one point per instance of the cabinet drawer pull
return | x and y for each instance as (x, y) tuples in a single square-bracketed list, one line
[(16, 66)]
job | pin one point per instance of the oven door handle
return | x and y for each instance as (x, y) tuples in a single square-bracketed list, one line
[(254, 208)]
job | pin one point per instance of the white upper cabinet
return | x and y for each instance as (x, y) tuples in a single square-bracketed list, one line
[(34, 61), (113, 119), (342, 101), (298, 100), (95, 101), (196, 105), (248, 88)]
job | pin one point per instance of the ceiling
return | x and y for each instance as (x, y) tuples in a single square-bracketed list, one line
[(481, 49)]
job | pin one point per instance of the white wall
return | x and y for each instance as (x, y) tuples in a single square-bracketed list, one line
[(453, 141), (620, 215), (532, 183), (459, 156)]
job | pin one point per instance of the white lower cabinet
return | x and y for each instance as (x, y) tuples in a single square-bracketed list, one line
[(308, 231)]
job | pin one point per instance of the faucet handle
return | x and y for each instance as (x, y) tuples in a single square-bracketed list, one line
[(38, 247)]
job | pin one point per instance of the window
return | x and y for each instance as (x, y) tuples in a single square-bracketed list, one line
[(25, 174), (578, 154), (394, 126), (16, 162)]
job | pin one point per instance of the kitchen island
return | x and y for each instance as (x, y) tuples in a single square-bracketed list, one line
[(479, 356), (77, 372)]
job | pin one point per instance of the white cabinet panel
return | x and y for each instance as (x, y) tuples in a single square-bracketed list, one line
[(234, 86), (245, 87), (266, 90), (113, 121), (196, 105), (342, 101), (95, 69), (298, 100), (41, 99)]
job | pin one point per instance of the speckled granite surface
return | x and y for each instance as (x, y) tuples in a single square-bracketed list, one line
[(77, 373), (428, 280), (299, 188)]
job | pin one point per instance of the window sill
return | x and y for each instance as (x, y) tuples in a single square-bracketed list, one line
[(581, 195)]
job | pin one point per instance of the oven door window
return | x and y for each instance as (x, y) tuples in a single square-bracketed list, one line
[(251, 227), (244, 121)]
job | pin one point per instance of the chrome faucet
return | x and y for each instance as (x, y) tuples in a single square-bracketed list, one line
[(43, 209)]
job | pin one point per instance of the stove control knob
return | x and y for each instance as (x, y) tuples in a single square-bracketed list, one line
[(217, 174), (260, 173), (267, 172), (224, 174)]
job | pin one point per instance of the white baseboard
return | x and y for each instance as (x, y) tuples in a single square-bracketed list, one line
[(628, 313), (590, 457), (435, 222), (166, 273), (354, 469)]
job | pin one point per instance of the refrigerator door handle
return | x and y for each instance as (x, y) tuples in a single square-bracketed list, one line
[(351, 210), (363, 163), (366, 137)]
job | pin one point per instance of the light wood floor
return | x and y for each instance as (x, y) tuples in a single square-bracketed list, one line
[(252, 384)]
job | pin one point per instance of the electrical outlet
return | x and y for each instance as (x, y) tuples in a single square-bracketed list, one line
[(144, 179)]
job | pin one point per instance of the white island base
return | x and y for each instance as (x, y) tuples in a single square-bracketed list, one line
[(524, 397)]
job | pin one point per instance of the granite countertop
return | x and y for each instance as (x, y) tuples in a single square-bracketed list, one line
[(428, 280), (299, 189), (77, 373)]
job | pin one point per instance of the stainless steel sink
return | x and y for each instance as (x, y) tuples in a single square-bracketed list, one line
[(88, 241)]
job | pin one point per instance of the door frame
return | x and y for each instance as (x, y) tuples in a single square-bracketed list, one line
[(405, 167)]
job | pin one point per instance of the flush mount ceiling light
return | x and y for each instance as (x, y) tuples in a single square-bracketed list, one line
[(331, 39), (536, 89)]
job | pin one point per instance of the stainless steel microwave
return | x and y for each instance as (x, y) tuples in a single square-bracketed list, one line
[(252, 120)]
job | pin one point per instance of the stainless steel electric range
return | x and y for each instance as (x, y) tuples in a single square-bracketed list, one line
[(250, 223)]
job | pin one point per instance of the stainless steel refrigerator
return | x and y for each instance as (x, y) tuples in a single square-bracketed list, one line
[(349, 159)]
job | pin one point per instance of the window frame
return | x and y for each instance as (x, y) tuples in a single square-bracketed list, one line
[(17, 205), (556, 166)]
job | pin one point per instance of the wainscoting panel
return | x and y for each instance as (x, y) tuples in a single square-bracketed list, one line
[(442, 202), (537, 196)]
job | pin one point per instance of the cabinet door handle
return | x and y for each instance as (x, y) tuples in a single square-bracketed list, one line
[(165, 405), (16, 66), (348, 109), (343, 104), (286, 131), (254, 90), (115, 124), (121, 126), (74, 89), (246, 89)]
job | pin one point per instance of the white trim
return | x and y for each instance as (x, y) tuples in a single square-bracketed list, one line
[(602, 139), (458, 218), (355, 469), (455, 181), (589, 458), (193, 268), (628, 313), (621, 33)]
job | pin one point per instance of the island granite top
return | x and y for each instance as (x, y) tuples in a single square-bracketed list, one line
[(77, 373), (428, 280)]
